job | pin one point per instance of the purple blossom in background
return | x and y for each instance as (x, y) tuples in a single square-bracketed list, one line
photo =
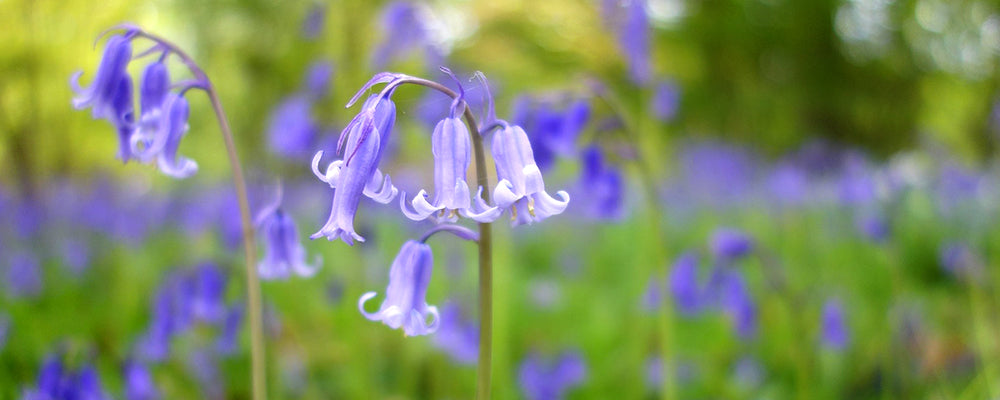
[(23, 275), (727, 290), (456, 337), (652, 297), (4, 329), (203, 365), (110, 90), (521, 189), (209, 284), (551, 379), (729, 244), (604, 187), (684, 284), (292, 130), (654, 372), (834, 328), (958, 260), (873, 226), (748, 373), (405, 28), (75, 255), (405, 303), (716, 174), (788, 184), (666, 101), (553, 133), (228, 341), (56, 382), (139, 383), (318, 78), (630, 20), (315, 20), (857, 184), (283, 252)]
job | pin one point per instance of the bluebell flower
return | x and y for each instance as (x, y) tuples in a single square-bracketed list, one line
[(87, 385), (730, 244), (209, 287), (959, 260), (456, 337), (228, 341), (139, 383), (175, 127), (684, 284), (451, 145), (283, 253), (75, 255), (652, 297), (634, 39), (170, 316), (748, 373), (56, 382), (317, 83), (292, 129), (666, 101), (834, 328), (107, 94), (405, 305), (873, 226), (405, 31), (315, 20), (520, 181), (548, 380), (357, 173), (654, 372), (857, 185), (787, 184), (735, 300), (23, 275), (604, 186)]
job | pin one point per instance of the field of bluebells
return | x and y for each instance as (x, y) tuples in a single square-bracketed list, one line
[(575, 199)]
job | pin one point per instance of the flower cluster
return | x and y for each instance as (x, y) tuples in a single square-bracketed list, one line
[(155, 135), (55, 381)]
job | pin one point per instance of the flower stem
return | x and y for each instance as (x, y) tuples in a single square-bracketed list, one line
[(484, 370)]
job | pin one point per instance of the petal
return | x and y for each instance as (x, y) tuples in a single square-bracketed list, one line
[(385, 191), (315, 166), (361, 307), (504, 196), (181, 167), (422, 209)]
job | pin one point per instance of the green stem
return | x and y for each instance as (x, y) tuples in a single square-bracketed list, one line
[(484, 371)]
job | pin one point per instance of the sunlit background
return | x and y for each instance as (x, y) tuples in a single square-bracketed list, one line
[(771, 199)]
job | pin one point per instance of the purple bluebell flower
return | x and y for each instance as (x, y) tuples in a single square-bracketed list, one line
[(604, 186), (228, 341), (684, 284), (204, 366), (107, 95), (23, 275), (730, 244), (315, 20), (209, 287), (75, 255), (959, 260), (357, 173), (857, 184), (834, 328), (666, 101), (405, 303), (652, 297), (87, 385), (451, 145), (175, 127), (283, 253), (139, 383), (787, 184), (736, 302), (457, 338), (153, 90), (405, 30), (56, 382), (748, 373), (716, 174), (292, 130), (317, 83), (521, 184), (171, 316), (873, 226), (550, 380), (634, 39)]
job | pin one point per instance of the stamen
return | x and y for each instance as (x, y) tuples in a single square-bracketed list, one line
[(531, 206), (513, 213)]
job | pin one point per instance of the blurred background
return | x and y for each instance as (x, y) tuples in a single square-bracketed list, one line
[(771, 199)]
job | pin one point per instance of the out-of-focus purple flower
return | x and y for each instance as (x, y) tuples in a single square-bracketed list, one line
[(228, 341), (716, 174), (139, 383), (684, 284), (357, 173), (283, 252), (857, 183), (604, 187), (631, 21), (23, 275), (4, 329), (457, 338), (75, 255), (550, 380), (730, 244), (727, 289), (748, 373), (451, 145), (959, 260), (28, 219), (787, 184), (204, 366), (405, 303), (405, 30), (317, 83), (521, 185), (666, 101), (955, 186), (654, 372), (168, 161), (207, 302), (652, 297), (834, 327), (292, 130), (55, 382), (873, 226), (315, 20), (553, 133), (109, 95)]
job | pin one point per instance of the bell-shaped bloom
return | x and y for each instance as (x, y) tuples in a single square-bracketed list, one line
[(873, 226), (834, 328), (405, 305), (283, 252), (56, 382), (456, 337), (169, 162), (730, 244), (550, 380), (521, 189), (684, 284), (139, 383), (208, 289), (357, 173), (104, 91), (602, 186), (406, 31)]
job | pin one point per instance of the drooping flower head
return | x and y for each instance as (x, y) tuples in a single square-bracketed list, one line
[(521, 189), (109, 95), (405, 305), (602, 185), (357, 173), (451, 145), (834, 328), (684, 284), (730, 244), (550, 380), (283, 253)]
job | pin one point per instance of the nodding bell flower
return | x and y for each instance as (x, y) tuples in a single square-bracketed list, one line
[(283, 253), (357, 173), (521, 188), (452, 149), (164, 124), (174, 128), (405, 303), (104, 90)]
